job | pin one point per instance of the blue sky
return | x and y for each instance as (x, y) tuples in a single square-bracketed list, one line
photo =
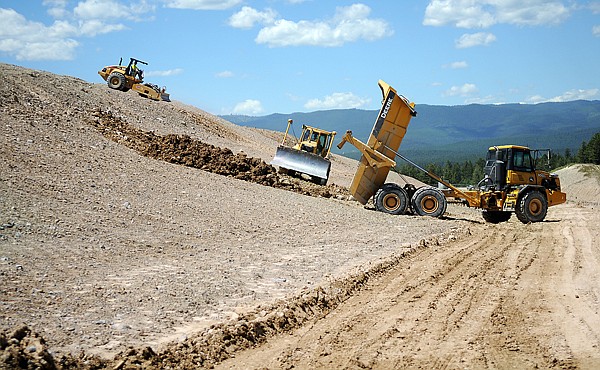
[(284, 56)]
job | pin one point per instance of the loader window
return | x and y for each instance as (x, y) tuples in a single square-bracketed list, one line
[(522, 161)]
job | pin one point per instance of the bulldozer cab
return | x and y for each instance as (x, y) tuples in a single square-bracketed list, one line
[(315, 141)]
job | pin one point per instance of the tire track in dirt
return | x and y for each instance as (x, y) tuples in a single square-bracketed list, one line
[(495, 300)]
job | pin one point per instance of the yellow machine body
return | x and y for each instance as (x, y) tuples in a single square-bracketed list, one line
[(511, 182)]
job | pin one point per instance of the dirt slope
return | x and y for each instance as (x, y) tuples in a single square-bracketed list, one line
[(136, 234)]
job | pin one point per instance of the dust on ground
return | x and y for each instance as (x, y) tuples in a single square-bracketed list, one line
[(122, 248)]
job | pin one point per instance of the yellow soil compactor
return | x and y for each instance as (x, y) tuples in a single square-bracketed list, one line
[(511, 183), (310, 154), (130, 77)]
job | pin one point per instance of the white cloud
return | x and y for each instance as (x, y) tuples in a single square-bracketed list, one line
[(27, 40), (224, 74), (485, 13), (202, 4), (464, 90), (95, 27), (469, 40), (338, 101), (248, 107), (30, 40), (56, 8), (576, 94), (247, 17), (596, 31), (349, 24), (169, 72), (456, 65), (111, 9)]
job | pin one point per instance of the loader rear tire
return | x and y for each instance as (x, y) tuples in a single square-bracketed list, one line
[(392, 199), (428, 201), (532, 207), (495, 217), (116, 81)]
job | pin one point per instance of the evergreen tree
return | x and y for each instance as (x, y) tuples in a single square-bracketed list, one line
[(593, 149)]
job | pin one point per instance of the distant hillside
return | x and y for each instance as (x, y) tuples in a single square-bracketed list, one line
[(458, 133)]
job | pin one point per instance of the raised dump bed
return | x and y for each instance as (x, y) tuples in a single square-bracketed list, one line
[(384, 141)]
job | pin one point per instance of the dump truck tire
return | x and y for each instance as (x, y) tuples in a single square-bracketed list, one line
[(532, 207), (427, 201), (392, 199), (495, 217), (116, 81)]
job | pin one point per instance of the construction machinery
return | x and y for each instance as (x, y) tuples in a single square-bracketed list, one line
[(511, 182), (130, 77), (309, 155)]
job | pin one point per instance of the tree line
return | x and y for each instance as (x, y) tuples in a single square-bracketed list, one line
[(470, 173)]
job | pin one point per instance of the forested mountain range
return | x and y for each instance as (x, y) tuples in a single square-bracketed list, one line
[(457, 133)]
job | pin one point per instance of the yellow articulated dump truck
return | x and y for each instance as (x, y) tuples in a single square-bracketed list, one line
[(511, 183)]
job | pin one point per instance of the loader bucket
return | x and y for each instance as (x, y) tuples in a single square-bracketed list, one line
[(300, 161)]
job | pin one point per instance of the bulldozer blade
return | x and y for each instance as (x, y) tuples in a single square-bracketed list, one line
[(165, 97), (304, 162)]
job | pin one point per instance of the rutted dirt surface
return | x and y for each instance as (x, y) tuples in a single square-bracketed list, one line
[(144, 234)]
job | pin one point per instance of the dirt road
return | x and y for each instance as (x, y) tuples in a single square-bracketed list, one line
[(511, 296)]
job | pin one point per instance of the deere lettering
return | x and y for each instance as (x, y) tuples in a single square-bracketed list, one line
[(388, 104)]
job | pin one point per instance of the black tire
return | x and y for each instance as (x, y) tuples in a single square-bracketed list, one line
[(495, 217), (532, 207), (427, 201), (116, 81), (392, 199)]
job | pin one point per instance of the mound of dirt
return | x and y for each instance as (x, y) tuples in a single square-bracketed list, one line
[(184, 150), (581, 182)]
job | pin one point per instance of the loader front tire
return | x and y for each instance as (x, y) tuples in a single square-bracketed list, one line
[(392, 199), (428, 201), (495, 217), (532, 207), (116, 81)]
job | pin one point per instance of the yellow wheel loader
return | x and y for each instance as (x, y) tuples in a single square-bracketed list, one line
[(310, 154), (130, 77), (511, 182)]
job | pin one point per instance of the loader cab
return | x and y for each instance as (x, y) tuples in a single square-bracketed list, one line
[(509, 165)]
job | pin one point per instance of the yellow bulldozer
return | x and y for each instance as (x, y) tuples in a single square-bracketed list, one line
[(131, 77), (309, 155), (511, 182)]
